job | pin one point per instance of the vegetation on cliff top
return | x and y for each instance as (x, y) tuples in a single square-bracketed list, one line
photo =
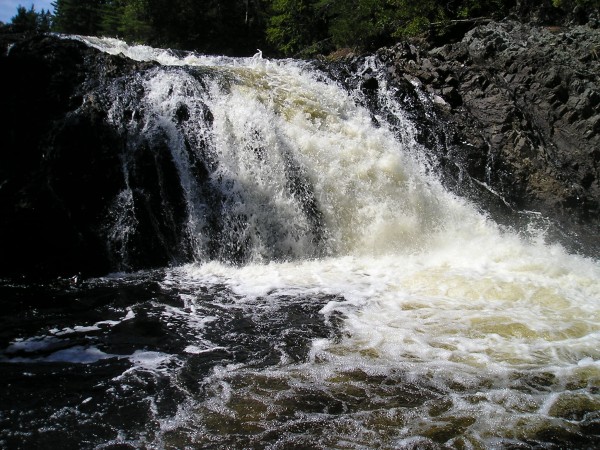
[(279, 27)]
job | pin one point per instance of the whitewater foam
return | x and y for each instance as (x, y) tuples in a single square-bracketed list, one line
[(452, 329)]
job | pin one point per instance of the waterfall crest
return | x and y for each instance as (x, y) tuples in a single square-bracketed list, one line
[(275, 162)]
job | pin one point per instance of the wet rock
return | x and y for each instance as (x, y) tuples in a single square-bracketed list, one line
[(452, 96), (370, 83), (61, 167), (508, 113), (535, 82)]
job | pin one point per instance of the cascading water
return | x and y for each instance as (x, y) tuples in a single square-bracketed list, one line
[(339, 296), (294, 168)]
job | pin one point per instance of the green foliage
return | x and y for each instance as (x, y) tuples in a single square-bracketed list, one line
[(128, 19), (569, 4), (281, 27), (295, 25), (78, 16), (134, 23), (475, 8), (358, 22), (230, 26), (372, 23), (415, 18), (286, 27), (28, 20), (111, 17)]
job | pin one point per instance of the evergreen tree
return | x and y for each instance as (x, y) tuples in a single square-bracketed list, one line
[(363, 23), (135, 21), (28, 20), (25, 20), (302, 24), (286, 27), (128, 19), (78, 16), (111, 17), (413, 18), (45, 20), (234, 27)]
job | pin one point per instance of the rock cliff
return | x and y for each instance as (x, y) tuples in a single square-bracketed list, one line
[(513, 108), (61, 164)]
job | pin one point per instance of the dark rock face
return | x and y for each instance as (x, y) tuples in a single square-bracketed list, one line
[(61, 165), (521, 108)]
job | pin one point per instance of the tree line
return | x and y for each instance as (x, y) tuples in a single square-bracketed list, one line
[(279, 27)]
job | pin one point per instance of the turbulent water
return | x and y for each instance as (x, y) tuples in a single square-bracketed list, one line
[(339, 298)]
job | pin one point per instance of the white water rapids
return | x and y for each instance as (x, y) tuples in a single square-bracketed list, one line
[(453, 331)]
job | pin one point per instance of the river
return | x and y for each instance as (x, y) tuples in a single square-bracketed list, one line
[(338, 296)]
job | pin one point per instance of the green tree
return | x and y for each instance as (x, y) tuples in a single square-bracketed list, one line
[(135, 23), (413, 18), (28, 20), (572, 3), (362, 23), (128, 19), (78, 16), (296, 25), (234, 27), (111, 17), (25, 20), (475, 8), (372, 23), (45, 20), (285, 27)]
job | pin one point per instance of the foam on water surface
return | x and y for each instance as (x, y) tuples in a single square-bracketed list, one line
[(453, 344), (424, 322)]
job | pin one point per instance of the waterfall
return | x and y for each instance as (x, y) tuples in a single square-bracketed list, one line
[(331, 294), (290, 167)]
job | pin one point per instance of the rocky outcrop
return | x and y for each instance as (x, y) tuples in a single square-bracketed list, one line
[(521, 108), (509, 115), (61, 165)]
